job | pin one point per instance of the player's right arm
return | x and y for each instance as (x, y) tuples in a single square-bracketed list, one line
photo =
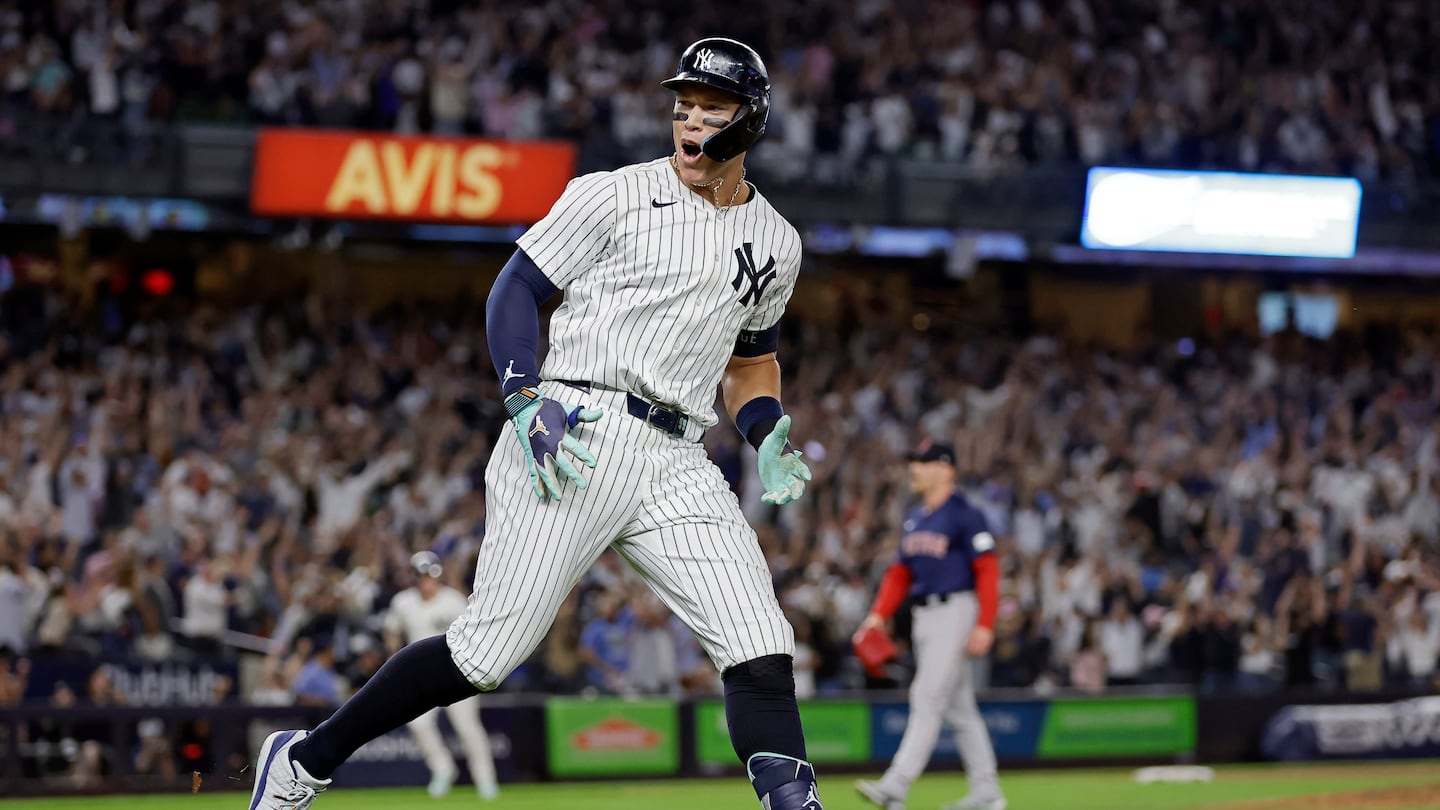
[(554, 252), (893, 589)]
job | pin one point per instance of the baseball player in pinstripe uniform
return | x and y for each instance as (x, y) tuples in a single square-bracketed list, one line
[(675, 273), (947, 569), (420, 612)]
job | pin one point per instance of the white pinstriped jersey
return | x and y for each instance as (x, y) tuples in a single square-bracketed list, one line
[(658, 282), (416, 618)]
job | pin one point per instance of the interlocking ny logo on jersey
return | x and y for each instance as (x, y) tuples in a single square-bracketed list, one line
[(703, 58), (759, 278)]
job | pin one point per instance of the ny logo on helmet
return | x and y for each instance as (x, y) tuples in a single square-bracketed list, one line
[(703, 58), (759, 277)]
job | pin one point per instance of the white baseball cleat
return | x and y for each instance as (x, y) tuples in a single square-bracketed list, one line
[(488, 791), (281, 784), (440, 783), (877, 796), (977, 803)]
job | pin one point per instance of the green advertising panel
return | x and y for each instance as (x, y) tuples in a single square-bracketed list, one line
[(835, 731), (1103, 727), (612, 736)]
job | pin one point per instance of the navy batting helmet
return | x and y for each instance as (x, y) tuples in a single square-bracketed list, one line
[(426, 564), (734, 67)]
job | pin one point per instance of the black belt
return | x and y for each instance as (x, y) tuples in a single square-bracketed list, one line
[(666, 420), (933, 599)]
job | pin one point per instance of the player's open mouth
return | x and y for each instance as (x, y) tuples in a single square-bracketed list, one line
[(690, 152)]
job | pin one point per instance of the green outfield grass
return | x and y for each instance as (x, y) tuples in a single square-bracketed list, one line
[(1031, 790)]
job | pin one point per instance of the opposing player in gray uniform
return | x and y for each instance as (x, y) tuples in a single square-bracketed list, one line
[(420, 612), (947, 569), (675, 274)]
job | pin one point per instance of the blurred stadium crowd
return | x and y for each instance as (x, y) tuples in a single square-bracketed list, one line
[(1351, 86), (1234, 513)]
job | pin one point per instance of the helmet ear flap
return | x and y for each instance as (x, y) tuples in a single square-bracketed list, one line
[(739, 135)]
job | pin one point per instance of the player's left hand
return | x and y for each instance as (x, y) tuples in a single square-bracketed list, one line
[(980, 640), (781, 470)]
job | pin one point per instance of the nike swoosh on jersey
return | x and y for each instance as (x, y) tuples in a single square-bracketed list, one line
[(654, 203)]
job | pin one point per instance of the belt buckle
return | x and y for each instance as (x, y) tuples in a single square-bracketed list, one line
[(655, 415), (671, 422)]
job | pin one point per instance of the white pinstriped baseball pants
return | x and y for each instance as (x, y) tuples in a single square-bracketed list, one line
[(664, 507)]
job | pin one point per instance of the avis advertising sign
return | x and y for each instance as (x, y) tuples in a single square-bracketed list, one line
[(358, 175), (612, 736)]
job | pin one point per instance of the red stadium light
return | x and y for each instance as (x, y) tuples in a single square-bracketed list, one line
[(157, 282)]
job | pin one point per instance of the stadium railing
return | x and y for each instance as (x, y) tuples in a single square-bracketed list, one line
[(207, 162)]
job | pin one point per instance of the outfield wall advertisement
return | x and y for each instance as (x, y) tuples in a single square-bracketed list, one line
[(1067, 728), (589, 737), (169, 683), (582, 738), (1014, 730), (1118, 727), (836, 731), (612, 736), (395, 758), (1407, 728)]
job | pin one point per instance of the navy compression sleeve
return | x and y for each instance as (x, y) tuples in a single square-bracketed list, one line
[(754, 344), (512, 321)]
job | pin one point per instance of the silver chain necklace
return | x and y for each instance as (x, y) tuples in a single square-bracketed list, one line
[(714, 187)]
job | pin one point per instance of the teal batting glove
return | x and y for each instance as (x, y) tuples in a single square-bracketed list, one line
[(543, 428), (781, 470)]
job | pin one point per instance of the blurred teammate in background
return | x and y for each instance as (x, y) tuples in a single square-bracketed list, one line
[(420, 612)]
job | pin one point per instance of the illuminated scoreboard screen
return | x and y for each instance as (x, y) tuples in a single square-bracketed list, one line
[(1220, 212)]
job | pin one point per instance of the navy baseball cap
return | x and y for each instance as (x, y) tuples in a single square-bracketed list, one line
[(933, 451)]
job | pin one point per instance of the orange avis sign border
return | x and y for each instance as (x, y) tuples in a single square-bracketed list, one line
[(368, 175), (602, 736)]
